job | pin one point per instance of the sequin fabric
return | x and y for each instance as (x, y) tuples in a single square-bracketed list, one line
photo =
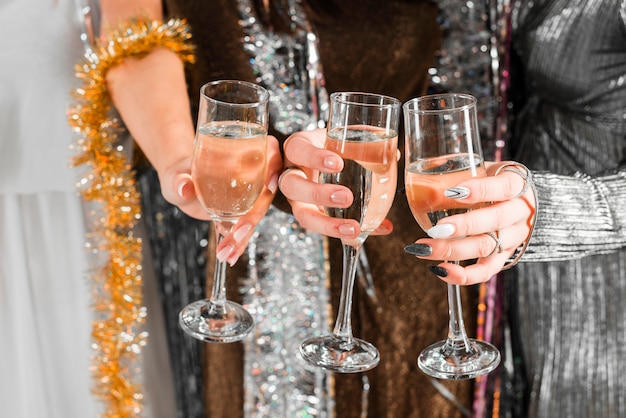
[(286, 289), (568, 314)]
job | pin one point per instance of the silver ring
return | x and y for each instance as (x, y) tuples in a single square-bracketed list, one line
[(288, 170), (496, 237), (522, 171)]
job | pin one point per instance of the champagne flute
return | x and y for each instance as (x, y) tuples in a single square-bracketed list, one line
[(443, 149), (228, 170), (363, 130)]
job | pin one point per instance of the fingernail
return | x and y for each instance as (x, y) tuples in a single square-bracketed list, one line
[(419, 250), (330, 162), (339, 197), (438, 271), (241, 232), (384, 229), (441, 231), (346, 229), (273, 185), (225, 252), (232, 260), (456, 192), (181, 188)]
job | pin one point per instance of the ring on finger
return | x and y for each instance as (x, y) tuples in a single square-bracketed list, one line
[(522, 171), (497, 249)]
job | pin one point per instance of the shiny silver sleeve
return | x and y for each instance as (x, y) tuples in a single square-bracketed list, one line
[(578, 216)]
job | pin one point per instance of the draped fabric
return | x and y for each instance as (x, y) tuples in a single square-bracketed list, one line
[(46, 309), (571, 128)]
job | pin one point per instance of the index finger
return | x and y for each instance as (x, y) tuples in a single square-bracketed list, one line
[(503, 182), (305, 149)]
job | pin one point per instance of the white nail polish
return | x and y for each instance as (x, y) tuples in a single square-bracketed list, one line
[(181, 186), (225, 252), (241, 232), (441, 231), (273, 185)]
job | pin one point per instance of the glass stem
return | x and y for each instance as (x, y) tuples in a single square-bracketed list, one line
[(218, 292), (343, 326), (457, 337)]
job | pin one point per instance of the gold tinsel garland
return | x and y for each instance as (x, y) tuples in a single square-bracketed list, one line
[(117, 335)]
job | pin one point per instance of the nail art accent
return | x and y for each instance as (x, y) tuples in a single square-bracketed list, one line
[(438, 271), (456, 192), (419, 250), (441, 231)]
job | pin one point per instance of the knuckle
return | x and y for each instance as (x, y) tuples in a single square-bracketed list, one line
[(448, 252), (486, 245)]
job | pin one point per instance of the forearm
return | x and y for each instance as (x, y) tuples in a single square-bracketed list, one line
[(151, 95), (118, 12), (578, 216), (150, 92)]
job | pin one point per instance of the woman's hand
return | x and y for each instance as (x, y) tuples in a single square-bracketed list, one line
[(305, 158), (151, 95), (491, 234), (233, 245)]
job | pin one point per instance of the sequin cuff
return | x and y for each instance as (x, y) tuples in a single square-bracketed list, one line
[(580, 216)]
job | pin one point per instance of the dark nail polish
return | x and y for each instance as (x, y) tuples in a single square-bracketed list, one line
[(439, 271), (419, 250)]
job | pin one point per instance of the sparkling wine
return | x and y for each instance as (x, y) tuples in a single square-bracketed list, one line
[(370, 172), (229, 166), (427, 179)]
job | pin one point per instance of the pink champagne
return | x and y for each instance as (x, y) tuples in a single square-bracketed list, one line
[(228, 168), (370, 171), (426, 180)]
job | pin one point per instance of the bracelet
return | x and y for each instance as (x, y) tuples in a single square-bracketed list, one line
[(526, 174), (119, 297)]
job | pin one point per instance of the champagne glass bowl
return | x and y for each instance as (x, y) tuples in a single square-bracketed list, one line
[(363, 130), (442, 149), (228, 171)]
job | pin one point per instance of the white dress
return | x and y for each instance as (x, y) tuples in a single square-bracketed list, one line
[(45, 308)]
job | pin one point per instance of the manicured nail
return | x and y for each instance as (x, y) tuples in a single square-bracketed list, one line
[(438, 271), (241, 232), (339, 197), (330, 162), (419, 250), (273, 185), (232, 260), (181, 188), (225, 252), (441, 231), (457, 192), (384, 228), (346, 229)]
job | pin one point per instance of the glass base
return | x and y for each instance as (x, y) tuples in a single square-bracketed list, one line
[(340, 354), (447, 361), (209, 321)]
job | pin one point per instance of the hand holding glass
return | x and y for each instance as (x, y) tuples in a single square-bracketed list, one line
[(363, 130), (228, 172), (443, 149)]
